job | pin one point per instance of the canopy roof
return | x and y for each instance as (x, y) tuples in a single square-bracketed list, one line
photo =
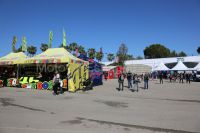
[(161, 67), (55, 55), (197, 67), (13, 58), (180, 67)]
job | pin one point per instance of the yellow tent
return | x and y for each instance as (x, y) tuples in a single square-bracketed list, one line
[(13, 58), (78, 70)]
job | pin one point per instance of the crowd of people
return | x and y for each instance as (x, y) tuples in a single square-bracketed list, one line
[(133, 79)]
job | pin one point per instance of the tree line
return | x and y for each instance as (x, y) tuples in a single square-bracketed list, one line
[(151, 51)]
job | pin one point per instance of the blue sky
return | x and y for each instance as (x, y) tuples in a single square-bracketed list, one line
[(103, 23)]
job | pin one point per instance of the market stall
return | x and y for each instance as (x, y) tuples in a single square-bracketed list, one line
[(95, 70), (37, 72), (9, 68)]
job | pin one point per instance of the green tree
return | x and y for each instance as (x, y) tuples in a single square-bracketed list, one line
[(182, 54), (156, 51), (99, 56), (110, 57), (139, 57), (31, 50), (14, 41), (173, 54), (198, 50), (44, 47), (91, 53), (81, 49), (129, 57), (65, 47), (122, 53), (73, 46), (19, 49)]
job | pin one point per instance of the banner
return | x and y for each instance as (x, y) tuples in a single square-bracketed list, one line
[(64, 39), (50, 38), (24, 44), (77, 74)]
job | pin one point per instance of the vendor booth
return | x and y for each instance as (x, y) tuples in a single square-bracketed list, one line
[(160, 67), (9, 68), (180, 67), (37, 72), (95, 70)]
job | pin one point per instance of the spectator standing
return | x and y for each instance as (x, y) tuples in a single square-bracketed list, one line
[(161, 77), (181, 78), (129, 79), (121, 81), (146, 80)]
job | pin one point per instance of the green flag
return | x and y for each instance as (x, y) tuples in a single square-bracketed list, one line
[(14, 43), (50, 38), (64, 39), (24, 44)]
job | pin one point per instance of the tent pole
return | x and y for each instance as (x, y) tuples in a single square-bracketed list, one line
[(17, 71)]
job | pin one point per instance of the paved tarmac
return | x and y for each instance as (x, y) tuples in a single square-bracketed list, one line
[(164, 108)]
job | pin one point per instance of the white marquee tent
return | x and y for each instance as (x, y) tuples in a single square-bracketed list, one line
[(197, 67), (180, 67), (161, 67)]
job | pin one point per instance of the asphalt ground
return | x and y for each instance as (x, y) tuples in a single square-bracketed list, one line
[(163, 108)]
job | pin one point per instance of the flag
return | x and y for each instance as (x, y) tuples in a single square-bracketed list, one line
[(64, 39), (14, 43), (76, 52), (50, 38), (24, 44)]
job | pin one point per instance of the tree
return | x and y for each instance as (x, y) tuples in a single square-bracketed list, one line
[(129, 57), (44, 47), (73, 46), (81, 49), (65, 47), (19, 49), (91, 53), (139, 57), (32, 50), (14, 41), (182, 54), (173, 54), (122, 53), (99, 56), (198, 50), (110, 57), (156, 51)]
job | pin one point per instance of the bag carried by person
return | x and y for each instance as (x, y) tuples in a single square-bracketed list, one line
[(121, 77)]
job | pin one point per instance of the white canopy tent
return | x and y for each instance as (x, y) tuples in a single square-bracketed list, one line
[(180, 67), (160, 67), (197, 67)]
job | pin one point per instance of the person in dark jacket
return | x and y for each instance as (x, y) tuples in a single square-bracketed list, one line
[(129, 79), (161, 77), (146, 81), (121, 81)]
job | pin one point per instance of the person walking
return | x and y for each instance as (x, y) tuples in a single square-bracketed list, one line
[(181, 78), (146, 80), (56, 84), (135, 82), (129, 79), (188, 76), (106, 76), (121, 81), (170, 77), (161, 77)]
